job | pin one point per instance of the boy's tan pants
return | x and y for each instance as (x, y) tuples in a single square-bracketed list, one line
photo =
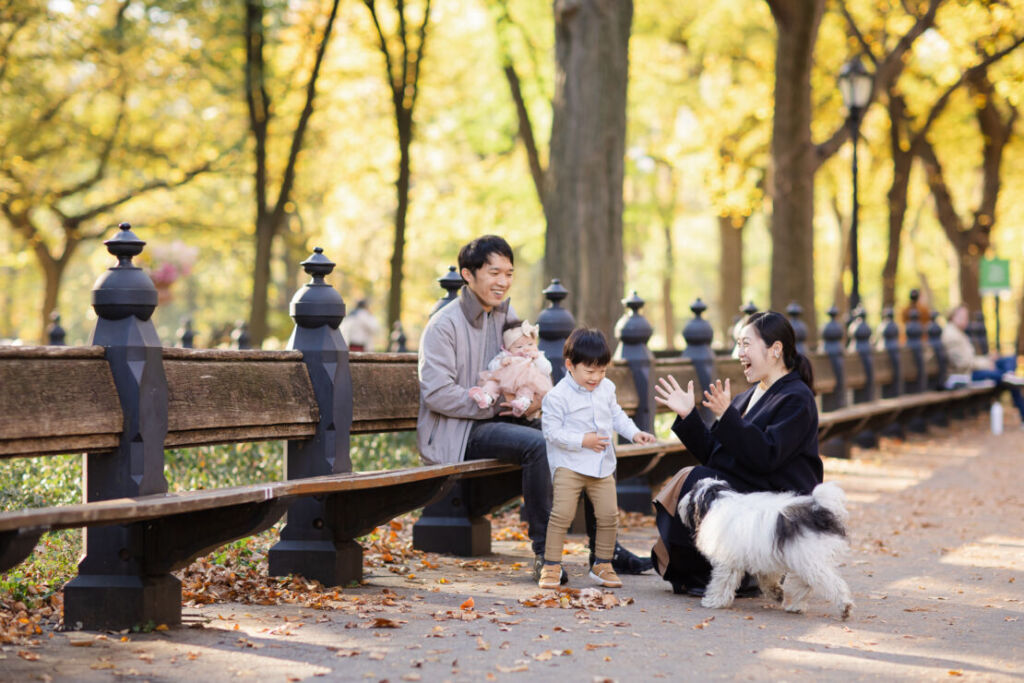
[(567, 486)]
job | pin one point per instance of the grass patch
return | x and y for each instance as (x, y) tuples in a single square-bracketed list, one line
[(57, 480)]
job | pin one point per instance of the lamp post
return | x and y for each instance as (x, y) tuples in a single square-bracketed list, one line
[(855, 85)]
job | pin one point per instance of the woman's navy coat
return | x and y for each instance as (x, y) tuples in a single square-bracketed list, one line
[(773, 448)]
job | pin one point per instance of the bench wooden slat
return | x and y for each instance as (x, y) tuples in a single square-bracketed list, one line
[(63, 401), (121, 510), (244, 397)]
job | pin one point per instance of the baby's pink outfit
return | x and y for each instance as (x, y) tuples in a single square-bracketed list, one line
[(521, 375)]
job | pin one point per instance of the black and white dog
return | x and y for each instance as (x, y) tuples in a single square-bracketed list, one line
[(770, 535)]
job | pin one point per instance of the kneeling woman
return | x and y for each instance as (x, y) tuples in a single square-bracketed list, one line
[(766, 439)]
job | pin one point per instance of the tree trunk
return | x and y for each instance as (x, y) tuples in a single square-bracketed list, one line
[(902, 160), (401, 212), (270, 221), (261, 279), (1020, 327), (730, 273), (970, 286), (667, 307), (794, 159), (839, 299), (585, 175)]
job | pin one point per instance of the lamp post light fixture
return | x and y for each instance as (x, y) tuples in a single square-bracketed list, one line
[(855, 86)]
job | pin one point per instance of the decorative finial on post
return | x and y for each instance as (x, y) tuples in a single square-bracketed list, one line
[(794, 311), (317, 303), (398, 338), (186, 335), (451, 282), (556, 324), (633, 328), (240, 335), (125, 289), (55, 333), (698, 334)]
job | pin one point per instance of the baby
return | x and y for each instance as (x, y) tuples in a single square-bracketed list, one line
[(519, 372)]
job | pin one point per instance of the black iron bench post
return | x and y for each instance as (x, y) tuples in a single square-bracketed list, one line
[(915, 333), (832, 345), (114, 584), (889, 333), (941, 415), (309, 544), (698, 334), (633, 332), (860, 343)]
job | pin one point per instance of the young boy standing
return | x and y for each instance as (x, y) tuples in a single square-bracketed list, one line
[(579, 417)]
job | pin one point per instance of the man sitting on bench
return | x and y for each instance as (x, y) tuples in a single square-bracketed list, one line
[(456, 345)]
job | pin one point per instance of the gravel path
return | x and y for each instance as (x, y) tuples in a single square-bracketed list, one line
[(937, 571)]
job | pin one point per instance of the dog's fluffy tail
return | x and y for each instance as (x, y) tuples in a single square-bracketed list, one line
[(832, 498)]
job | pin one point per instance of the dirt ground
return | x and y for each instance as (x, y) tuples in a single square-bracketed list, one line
[(936, 567)]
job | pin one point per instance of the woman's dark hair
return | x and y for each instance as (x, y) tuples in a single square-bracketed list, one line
[(475, 254), (587, 346), (774, 327)]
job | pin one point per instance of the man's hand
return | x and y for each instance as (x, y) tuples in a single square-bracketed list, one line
[(718, 398), (644, 438), (595, 442)]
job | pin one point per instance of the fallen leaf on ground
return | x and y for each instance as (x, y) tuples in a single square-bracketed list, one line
[(384, 622)]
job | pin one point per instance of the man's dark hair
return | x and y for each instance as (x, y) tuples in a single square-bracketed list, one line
[(474, 255), (587, 346)]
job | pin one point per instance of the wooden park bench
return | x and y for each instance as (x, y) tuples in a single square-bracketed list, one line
[(124, 399)]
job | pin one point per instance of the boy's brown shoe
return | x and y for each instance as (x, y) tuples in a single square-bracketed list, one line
[(604, 575), (550, 576)]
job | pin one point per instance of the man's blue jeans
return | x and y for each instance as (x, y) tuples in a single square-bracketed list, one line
[(1003, 365), (515, 442)]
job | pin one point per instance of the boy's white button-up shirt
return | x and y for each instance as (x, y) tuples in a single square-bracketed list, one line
[(570, 411)]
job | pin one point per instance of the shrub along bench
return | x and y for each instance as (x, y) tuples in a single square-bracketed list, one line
[(125, 398)]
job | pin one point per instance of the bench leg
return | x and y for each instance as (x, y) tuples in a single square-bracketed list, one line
[(319, 540), (447, 527), (836, 448), (111, 592), (455, 524), (125, 578), (332, 563)]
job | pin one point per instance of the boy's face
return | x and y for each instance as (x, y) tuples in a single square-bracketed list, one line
[(491, 281), (587, 376)]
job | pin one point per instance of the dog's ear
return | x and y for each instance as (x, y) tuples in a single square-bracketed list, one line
[(685, 511), (704, 495)]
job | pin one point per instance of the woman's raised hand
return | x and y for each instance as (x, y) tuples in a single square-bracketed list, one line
[(669, 394), (718, 397)]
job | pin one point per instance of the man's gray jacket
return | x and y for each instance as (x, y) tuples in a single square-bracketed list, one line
[(456, 346)]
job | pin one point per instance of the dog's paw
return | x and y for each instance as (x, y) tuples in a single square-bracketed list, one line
[(794, 607), (775, 593), (847, 608), (715, 601)]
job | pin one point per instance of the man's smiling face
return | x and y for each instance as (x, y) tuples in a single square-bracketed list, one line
[(491, 281)]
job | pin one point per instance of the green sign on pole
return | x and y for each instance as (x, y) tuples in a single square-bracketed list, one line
[(995, 275)]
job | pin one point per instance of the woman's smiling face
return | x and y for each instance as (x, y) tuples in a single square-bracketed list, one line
[(753, 354)]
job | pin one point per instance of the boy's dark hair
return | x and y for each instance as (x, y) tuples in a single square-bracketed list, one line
[(587, 346), (474, 255)]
